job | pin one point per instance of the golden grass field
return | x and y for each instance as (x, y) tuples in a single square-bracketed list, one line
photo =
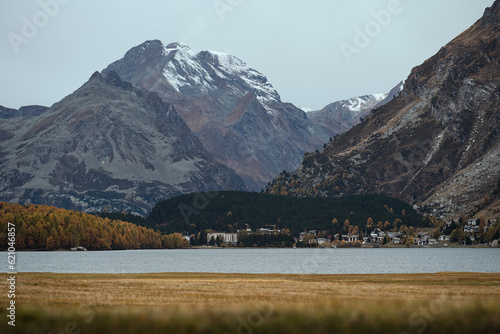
[(245, 303)]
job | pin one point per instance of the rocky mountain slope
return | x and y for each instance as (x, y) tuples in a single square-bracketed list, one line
[(107, 144), (395, 91), (231, 107), (339, 117), (436, 144), (26, 111)]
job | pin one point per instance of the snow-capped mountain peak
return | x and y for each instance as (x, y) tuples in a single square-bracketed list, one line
[(362, 103), (183, 70), (340, 116), (230, 106), (177, 46), (228, 61), (206, 71)]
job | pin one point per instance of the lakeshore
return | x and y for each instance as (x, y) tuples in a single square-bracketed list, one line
[(255, 303)]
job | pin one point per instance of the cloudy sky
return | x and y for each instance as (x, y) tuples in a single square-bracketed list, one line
[(313, 52)]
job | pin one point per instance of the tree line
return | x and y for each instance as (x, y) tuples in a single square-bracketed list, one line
[(43, 227), (230, 211)]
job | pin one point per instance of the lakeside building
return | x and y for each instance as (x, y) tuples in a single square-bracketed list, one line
[(227, 238), (472, 226)]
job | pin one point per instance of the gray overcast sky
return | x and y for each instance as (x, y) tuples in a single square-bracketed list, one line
[(296, 44)]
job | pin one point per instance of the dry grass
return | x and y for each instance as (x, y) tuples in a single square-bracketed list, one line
[(213, 303)]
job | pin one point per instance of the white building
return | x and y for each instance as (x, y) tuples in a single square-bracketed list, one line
[(350, 237), (227, 238), (321, 241), (471, 227), (432, 241), (265, 231), (424, 236), (444, 238)]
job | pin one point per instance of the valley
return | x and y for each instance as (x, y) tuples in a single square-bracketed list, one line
[(165, 187)]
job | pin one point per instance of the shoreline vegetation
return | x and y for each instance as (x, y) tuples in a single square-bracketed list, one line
[(256, 303), (448, 245), (40, 227)]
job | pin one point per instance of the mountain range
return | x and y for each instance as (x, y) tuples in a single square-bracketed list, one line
[(234, 110), (212, 123), (435, 145), (231, 107), (107, 144), (164, 120)]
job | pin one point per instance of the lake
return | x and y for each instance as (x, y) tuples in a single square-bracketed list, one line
[(260, 261)]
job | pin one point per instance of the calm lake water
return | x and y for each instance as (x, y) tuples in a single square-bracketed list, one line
[(290, 261)]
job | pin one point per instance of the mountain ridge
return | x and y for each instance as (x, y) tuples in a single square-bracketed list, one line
[(24, 111), (434, 145), (340, 116), (106, 144), (231, 107)]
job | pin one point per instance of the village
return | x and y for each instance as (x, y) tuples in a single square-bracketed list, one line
[(474, 232)]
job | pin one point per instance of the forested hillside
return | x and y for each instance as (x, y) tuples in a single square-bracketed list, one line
[(230, 211), (50, 228)]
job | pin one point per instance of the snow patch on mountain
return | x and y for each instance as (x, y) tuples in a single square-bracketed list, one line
[(379, 97), (187, 69), (305, 109), (258, 83), (231, 107), (361, 103), (184, 70), (402, 85)]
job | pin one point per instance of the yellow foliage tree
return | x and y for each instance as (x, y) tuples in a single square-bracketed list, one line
[(47, 227)]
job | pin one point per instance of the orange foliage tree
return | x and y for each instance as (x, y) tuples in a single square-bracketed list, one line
[(50, 228)]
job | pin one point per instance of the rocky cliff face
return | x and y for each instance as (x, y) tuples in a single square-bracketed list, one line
[(436, 144), (107, 144), (231, 107)]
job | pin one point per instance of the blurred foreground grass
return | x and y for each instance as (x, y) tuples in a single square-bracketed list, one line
[(241, 303)]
